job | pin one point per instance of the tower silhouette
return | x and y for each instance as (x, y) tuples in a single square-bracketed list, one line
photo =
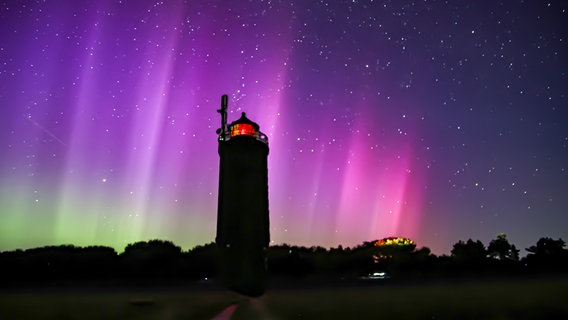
[(242, 213)]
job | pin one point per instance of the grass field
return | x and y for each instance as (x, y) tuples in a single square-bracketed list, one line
[(520, 299)]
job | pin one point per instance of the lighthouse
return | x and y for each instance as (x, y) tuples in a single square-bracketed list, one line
[(242, 212)]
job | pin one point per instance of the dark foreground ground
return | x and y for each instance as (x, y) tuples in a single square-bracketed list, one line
[(542, 298)]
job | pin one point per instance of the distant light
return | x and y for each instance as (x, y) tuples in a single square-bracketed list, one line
[(392, 241)]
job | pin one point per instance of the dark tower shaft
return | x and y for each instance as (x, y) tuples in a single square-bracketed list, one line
[(242, 216)]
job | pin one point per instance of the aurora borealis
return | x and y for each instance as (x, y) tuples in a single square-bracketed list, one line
[(433, 120)]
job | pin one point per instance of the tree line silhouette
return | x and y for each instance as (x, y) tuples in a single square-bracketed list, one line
[(159, 260)]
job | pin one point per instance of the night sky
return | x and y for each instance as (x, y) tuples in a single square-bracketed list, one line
[(434, 120)]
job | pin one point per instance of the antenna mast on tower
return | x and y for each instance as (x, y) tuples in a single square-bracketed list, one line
[(223, 111)]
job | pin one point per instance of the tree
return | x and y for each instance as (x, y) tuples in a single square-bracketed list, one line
[(548, 255), (548, 247), (469, 258), (202, 261), (470, 251), (155, 258), (501, 249), (96, 262), (286, 260)]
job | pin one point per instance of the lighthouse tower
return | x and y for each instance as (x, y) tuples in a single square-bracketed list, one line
[(242, 212)]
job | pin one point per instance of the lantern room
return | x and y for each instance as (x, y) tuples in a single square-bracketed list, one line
[(245, 127)]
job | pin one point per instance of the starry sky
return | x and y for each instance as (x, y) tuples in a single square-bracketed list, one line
[(434, 120)]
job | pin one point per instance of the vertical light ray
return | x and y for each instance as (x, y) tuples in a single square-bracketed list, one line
[(145, 141), (78, 205), (374, 201), (314, 194), (351, 211), (387, 212), (397, 204), (272, 117)]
